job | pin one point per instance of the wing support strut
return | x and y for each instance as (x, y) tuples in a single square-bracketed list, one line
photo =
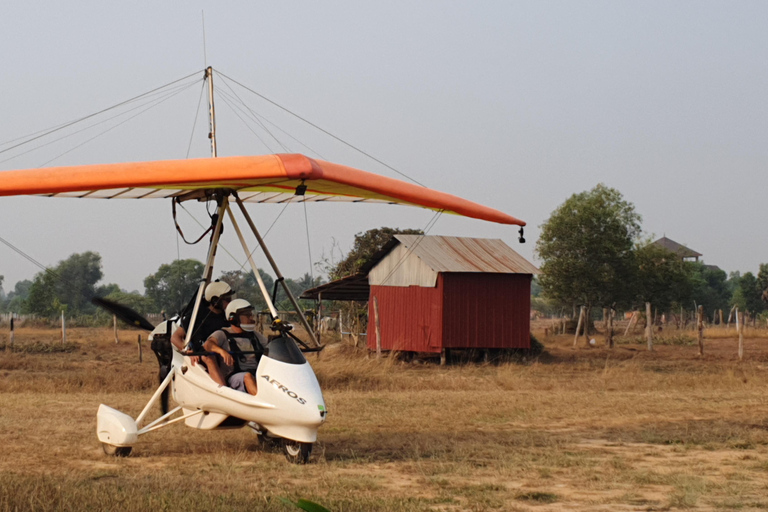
[(278, 274)]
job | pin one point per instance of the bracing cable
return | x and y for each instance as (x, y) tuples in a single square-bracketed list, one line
[(322, 130), (255, 118), (194, 123), (34, 136), (156, 101)]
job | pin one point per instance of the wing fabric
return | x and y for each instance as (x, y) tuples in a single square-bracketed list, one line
[(257, 179)]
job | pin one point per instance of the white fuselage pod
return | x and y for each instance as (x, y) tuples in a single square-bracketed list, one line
[(288, 404)]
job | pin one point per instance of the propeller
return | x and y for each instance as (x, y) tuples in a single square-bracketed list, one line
[(161, 347), (124, 313)]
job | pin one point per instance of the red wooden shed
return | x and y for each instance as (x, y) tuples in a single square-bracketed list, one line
[(438, 292)]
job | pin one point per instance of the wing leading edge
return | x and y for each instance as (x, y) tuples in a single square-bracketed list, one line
[(261, 179)]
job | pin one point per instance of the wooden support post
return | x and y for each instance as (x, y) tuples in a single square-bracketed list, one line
[(319, 317), (648, 326), (341, 326), (378, 326), (631, 319), (63, 329), (605, 318), (12, 333), (139, 343), (443, 357), (611, 313), (740, 329), (700, 326), (721, 317), (114, 325), (578, 326), (730, 315)]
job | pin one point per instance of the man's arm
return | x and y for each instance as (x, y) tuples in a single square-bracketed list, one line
[(210, 345), (178, 337)]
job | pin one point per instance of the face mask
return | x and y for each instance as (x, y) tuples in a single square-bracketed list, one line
[(248, 327)]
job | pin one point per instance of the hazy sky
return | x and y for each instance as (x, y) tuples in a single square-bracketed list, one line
[(516, 105)]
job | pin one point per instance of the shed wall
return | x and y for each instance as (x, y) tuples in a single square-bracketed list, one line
[(410, 318), (486, 310)]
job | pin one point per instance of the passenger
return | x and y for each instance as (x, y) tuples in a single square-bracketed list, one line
[(218, 294), (240, 349)]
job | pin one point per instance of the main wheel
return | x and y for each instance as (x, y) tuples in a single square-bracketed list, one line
[(117, 451), (296, 452)]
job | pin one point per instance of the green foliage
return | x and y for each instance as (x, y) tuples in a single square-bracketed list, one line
[(587, 249), (171, 287), (709, 288), (748, 293), (246, 286), (308, 506), (661, 277), (15, 301), (69, 286), (137, 302), (366, 245)]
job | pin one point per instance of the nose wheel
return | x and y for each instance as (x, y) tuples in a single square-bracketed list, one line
[(296, 452), (116, 451)]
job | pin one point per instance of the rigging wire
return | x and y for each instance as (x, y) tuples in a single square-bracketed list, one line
[(226, 102), (70, 123), (253, 116), (405, 256), (322, 130), (266, 120), (194, 123), (309, 247), (167, 94)]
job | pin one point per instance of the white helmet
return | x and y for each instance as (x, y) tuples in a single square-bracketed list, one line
[(216, 290), (236, 307)]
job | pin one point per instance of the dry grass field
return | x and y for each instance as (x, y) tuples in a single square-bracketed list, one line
[(576, 429)]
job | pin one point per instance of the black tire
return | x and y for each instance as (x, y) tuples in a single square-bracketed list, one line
[(116, 451), (296, 452)]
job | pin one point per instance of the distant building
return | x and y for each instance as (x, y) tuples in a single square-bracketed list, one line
[(440, 292), (682, 251)]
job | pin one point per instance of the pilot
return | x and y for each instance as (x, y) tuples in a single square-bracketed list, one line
[(218, 294), (240, 349)]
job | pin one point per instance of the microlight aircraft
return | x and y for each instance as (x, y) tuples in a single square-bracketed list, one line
[(289, 407)]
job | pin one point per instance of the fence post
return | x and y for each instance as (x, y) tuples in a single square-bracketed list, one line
[(700, 325), (114, 325), (740, 329), (648, 326), (139, 342), (63, 329), (578, 326), (378, 327), (611, 312), (12, 332)]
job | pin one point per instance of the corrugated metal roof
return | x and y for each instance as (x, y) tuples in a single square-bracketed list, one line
[(458, 254), (354, 287)]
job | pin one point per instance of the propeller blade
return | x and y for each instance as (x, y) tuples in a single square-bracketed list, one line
[(124, 313)]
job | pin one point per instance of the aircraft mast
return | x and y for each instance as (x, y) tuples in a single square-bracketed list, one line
[(211, 111)]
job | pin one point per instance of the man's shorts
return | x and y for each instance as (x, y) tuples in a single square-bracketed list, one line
[(237, 381)]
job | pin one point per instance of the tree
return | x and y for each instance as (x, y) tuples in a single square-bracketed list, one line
[(661, 277), (69, 286), (762, 279), (587, 246), (174, 284), (365, 246), (16, 300), (747, 295), (246, 286), (709, 288)]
